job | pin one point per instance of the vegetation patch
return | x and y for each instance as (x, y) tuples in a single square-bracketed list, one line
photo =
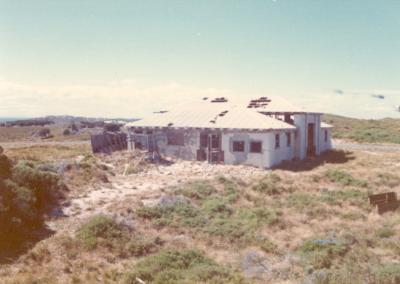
[(387, 273), (365, 130), (104, 232), (385, 232), (212, 212), (271, 185), (344, 178), (337, 197), (26, 195), (320, 253), (388, 179), (184, 266)]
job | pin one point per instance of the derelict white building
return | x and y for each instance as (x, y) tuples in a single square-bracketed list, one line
[(261, 132)]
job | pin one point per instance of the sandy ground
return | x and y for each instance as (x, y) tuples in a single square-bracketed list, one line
[(147, 185)]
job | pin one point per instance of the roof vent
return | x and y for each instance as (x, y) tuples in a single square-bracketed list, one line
[(212, 121), (205, 98), (219, 100), (260, 102), (223, 113)]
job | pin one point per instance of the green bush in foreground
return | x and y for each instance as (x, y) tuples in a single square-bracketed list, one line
[(26, 194), (186, 266)]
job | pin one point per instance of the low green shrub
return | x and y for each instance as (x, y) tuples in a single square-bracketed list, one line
[(344, 178), (45, 185), (186, 266), (388, 179), (385, 232), (302, 201), (320, 253), (103, 231), (198, 190), (270, 184), (26, 194), (387, 274), (100, 229), (337, 197), (214, 215)]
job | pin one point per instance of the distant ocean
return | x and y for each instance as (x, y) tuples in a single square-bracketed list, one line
[(4, 119)]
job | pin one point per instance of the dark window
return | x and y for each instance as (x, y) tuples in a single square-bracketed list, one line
[(326, 135), (288, 139), (175, 138), (255, 147), (214, 141), (203, 140), (238, 146), (277, 141)]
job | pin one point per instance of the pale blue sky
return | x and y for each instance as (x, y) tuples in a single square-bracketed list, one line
[(63, 52)]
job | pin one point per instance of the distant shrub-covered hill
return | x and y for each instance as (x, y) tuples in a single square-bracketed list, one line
[(365, 130)]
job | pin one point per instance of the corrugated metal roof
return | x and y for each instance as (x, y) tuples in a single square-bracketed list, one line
[(203, 113), (212, 117)]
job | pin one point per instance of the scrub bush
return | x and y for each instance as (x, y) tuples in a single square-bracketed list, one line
[(26, 194), (186, 266)]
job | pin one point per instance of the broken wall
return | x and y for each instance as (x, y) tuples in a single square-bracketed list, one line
[(186, 152)]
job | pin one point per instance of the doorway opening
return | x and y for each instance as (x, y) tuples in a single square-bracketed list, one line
[(311, 150), (210, 148)]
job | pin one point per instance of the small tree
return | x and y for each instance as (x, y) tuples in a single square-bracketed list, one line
[(44, 132), (74, 127)]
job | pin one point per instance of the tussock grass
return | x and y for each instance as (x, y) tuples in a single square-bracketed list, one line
[(104, 232), (320, 253), (212, 212), (48, 153), (344, 178), (186, 266)]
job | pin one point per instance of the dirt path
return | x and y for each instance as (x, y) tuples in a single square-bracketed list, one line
[(345, 145)]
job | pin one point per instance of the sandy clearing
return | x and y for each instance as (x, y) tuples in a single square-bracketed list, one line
[(145, 185)]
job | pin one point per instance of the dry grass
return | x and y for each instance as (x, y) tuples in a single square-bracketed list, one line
[(29, 133), (46, 153), (313, 224)]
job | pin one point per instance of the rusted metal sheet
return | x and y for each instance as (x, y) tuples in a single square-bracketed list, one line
[(387, 197), (389, 206), (108, 142), (384, 201)]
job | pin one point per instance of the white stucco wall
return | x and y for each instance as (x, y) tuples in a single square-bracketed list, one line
[(268, 157), (325, 145)]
